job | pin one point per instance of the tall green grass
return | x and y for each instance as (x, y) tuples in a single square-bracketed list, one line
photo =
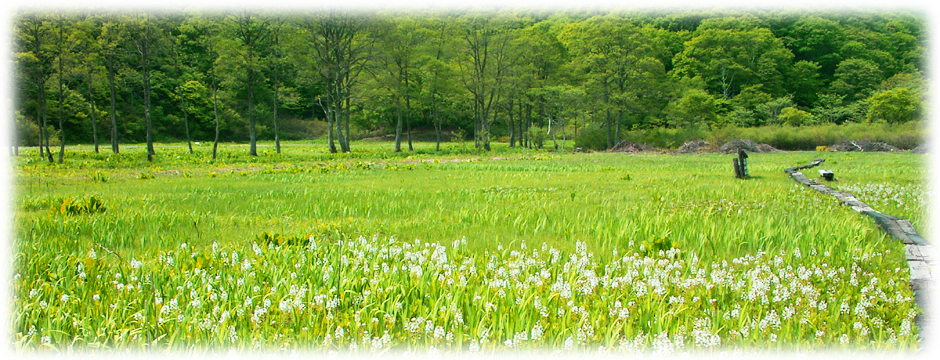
[(904, 136), (725, 253)]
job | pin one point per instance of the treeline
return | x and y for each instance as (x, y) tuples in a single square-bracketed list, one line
[(524, 76)]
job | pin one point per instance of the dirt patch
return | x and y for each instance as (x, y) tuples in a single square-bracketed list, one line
[(627, 146), (862, 145), (695, 147), (748, 145)]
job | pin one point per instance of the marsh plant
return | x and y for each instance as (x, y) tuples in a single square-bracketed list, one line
[(379, 252)]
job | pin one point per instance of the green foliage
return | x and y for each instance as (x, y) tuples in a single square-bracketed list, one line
[(650, 69), (283, 240), (654, 246), (770, 110), (100, 177), (730, 57), (894, 106), (856, 79), (537, 136), (593, 136), (695, 107), (805, 82), (796, 117), (86, 206)]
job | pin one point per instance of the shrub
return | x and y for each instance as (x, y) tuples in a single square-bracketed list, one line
[(537, 136), (795, 117), (592, 136)]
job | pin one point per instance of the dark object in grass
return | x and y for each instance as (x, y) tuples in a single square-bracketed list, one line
[(740, 165), (827, 174)]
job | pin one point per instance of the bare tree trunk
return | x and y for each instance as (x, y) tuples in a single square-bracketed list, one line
[(114, 139), (610, 144), (437, 127), (552, 130), (617, 134), (437, 130), (330, 119), (338, 122), (215, 111), (94, 120), (150, 151), (40, 118), (61, 96), (512, 127), (408, 124), (346, 121), (408, 114), (277, 139), (189, 141), (398, 132), (528, 125), (253, 147), (45, 115)]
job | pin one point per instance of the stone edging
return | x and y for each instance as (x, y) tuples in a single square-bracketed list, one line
[(920, 254)]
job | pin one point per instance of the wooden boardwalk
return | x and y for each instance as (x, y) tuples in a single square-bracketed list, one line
[(921, 255)]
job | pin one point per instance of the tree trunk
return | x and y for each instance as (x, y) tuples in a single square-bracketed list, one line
[(408, 123), (40, 118), (45, 115), (215, 111), (512, 127), (617, 133), (94, 119), (338, 121), (437, 131), (528, 125), (189, 141), (61, 96), (408, 113), (330, 120), (552, 129), (114, 139), (277, 139), (253, 147), (610, 144), (564, 135), (277, 75), (346, 123), (150, 151), (398, 132)]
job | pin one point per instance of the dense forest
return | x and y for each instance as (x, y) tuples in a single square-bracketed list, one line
[(528, 77)]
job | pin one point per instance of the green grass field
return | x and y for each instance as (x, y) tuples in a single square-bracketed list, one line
[(458, 251)]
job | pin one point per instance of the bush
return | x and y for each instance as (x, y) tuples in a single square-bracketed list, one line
[(795, 117), (592, 136), (537, 136)]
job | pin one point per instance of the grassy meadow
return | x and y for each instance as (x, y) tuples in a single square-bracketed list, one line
[(457, 251)]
